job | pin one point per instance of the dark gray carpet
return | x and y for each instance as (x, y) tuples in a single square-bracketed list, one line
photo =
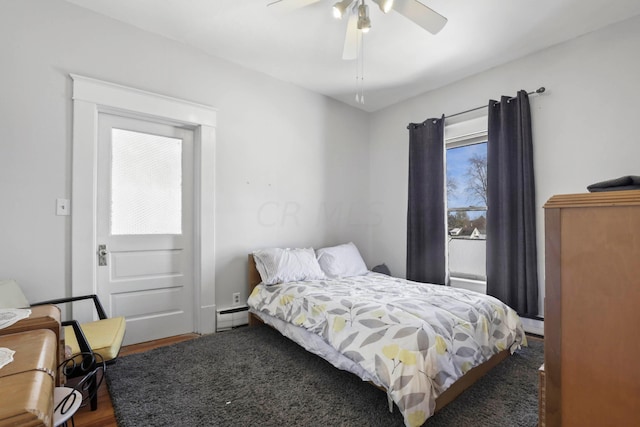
[(255, 376)]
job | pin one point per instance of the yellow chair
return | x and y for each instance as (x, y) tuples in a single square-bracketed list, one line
[(103, 336)]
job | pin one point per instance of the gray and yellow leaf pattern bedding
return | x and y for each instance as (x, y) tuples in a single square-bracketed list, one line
[(416, 338)]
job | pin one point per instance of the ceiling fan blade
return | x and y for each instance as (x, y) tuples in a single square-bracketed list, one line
[(422, 15), (291, 4), (350, 50)]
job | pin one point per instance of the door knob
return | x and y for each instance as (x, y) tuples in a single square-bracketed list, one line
[(102, 255)]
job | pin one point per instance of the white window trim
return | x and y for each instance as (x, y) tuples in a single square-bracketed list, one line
[(91, 97), (466, 139)]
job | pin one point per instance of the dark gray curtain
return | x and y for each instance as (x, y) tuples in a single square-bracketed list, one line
[(512, 265), (425, 215)]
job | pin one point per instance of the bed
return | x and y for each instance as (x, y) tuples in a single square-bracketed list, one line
[(422, 344)]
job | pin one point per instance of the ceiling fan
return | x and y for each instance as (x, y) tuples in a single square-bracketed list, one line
[(358, 17)]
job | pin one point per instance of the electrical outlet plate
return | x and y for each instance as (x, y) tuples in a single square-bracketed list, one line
[(236, 298)]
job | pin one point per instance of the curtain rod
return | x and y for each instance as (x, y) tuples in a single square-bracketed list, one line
[(541, 89)]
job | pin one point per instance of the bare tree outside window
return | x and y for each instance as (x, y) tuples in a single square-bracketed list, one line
[(476, 188), (452, 185)]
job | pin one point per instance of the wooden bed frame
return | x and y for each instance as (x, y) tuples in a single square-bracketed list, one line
[(466, 381)]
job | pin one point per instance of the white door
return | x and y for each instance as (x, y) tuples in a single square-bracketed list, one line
[(145, 226)]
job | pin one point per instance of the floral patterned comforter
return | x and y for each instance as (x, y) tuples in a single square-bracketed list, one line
[(416, 338)]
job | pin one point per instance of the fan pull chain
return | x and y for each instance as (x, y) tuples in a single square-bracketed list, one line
[(357, 68), (358, 36), (360, 68)]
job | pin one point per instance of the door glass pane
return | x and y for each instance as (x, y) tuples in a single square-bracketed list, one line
[(146, 183)]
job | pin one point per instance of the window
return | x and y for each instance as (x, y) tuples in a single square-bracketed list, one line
[(466, 170)]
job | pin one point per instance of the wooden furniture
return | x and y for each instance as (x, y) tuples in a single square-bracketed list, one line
[(254, 280), (27, 383), (592, 375), (42, 317), (541, 398)]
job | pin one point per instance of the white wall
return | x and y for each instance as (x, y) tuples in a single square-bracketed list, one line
[(293, 168), (283, 153), (584, 126)]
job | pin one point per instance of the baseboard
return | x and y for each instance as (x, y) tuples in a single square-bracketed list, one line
[(469, 284), (228, 318), (207, 319), (533, 326)]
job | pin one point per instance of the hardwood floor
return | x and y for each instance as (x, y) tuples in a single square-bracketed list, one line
[(104, 415)]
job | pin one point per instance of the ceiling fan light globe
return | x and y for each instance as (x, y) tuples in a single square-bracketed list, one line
[(339, 8), (384, 5), (364, 25)]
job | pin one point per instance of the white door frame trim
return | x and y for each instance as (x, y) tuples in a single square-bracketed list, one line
[(90, 97)]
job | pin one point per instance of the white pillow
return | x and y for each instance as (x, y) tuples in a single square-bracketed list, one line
[(11, 295), (277, 265), (341, 261)]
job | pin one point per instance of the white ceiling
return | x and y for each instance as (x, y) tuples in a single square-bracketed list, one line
[(401, 60)]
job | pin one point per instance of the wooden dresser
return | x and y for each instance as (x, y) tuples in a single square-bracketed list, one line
[(592, 309)]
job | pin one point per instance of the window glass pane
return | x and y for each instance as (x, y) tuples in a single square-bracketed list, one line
[(468, 258), (146, 184), (468, 244), (467, 176), (467, 224)]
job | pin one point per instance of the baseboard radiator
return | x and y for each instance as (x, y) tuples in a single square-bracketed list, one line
[(228, 318)]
